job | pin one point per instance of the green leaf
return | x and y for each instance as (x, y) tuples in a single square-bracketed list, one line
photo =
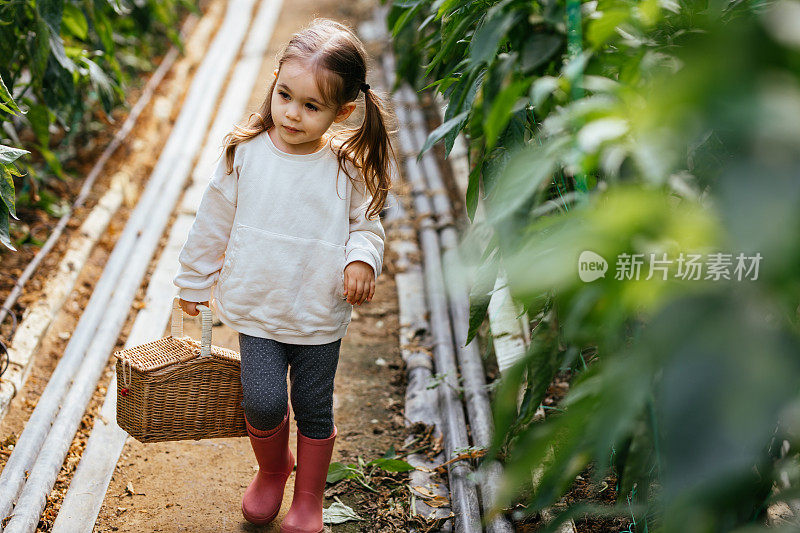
[(539, 49), (424, 23), (52, 161), (74, 22), (436, 135), (104, 30), (50, 11), (7, 103), (542, 88), (453, 37), (501, 110), (390, 453), (441, 85), (5, 237), (7, 191), (486, 39), (462, 97), (600, 30), (473, 192), (100, 80), (526, 173), (404, 20), (41, 49), (392, 465), (57, 49), (39, 119), (446, 6), (504, 407), (576, 66), (339, 471), (480, 295), (596, 132), (9, 154)]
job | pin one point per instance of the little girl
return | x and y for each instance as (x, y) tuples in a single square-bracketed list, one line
[(288, 230)]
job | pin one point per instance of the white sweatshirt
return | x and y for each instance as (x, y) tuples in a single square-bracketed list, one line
[(275, 236)]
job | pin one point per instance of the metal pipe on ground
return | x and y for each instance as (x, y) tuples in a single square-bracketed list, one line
[(464, 496), (86, 492), (508, 321), (421, 403), (133, 250), (473, 375), (33, 435)]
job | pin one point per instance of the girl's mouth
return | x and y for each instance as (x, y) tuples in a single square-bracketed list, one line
[(291, 130)]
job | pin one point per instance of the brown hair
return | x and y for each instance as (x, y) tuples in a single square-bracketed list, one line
[(339, 61)]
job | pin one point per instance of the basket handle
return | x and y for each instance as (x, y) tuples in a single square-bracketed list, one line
[(177, 325)]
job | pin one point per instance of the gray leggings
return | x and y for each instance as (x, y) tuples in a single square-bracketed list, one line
[(312, 371)]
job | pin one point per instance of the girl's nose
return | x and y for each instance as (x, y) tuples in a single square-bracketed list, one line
[(292, 112)]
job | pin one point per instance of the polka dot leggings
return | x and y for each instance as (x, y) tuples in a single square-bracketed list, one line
[(311, 373)]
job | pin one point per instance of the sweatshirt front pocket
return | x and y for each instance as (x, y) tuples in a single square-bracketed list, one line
[(286, 282), (229, 257)]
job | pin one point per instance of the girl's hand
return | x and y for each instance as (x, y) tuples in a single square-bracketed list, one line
[(190, 308), (359, 282)]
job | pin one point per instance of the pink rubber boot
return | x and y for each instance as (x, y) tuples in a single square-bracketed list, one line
[(313, 460), (262, 499)]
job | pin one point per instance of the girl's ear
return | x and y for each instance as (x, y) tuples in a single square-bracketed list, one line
[(345, 111)]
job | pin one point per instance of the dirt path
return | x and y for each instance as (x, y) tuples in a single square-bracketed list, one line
[(197, 485)]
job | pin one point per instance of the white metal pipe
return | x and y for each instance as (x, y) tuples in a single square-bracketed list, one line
[(85, 495), (154, 210), (30, 440), (473, 374), (464, 498)]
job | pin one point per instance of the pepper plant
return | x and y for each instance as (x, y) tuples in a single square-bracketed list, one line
[(681, 120), (61, 63)]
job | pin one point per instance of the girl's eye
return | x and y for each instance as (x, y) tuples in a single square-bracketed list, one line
[(284, 95), (312, 107)]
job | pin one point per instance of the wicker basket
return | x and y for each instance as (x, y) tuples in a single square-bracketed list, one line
[(175, 388)]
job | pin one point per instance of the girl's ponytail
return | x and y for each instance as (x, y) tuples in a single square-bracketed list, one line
[(370, 149)]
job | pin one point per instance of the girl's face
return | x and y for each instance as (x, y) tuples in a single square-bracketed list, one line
[(298, 109)]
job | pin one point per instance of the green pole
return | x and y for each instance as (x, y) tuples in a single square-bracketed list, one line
[(574, 49)]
